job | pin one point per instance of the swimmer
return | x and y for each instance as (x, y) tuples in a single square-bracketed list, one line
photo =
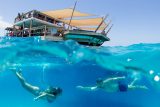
[(115, 84), (50, 94)]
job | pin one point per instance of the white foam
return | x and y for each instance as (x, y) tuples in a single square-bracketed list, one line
[(156, 78)]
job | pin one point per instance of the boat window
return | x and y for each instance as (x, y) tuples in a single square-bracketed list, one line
[(35, 14), (39, 16), (53, 31), (28, 15), (49, 20)]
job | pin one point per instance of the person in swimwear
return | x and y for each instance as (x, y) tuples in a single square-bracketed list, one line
[(115, 84), (50, 94)]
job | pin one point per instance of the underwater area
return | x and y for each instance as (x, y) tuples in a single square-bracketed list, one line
[(68, 65)]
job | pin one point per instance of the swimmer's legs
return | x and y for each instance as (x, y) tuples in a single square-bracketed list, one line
[(114, 79), (20, 77), (33, 89)]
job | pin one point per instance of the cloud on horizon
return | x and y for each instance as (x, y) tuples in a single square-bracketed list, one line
[(4, 24)]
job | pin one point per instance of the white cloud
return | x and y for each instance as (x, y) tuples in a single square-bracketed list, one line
[(4, 24), (1, 17)]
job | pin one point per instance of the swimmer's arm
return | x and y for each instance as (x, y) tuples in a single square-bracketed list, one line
[(94, 88), (50, 95), (133, 82), (114, 79), (40, 96)]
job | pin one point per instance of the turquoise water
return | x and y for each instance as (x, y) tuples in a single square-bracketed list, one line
[(68, 64)]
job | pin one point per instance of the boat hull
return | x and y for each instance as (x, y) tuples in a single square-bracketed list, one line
[(86, 37)]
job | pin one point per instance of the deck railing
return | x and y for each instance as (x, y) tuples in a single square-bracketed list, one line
[(36, 14)]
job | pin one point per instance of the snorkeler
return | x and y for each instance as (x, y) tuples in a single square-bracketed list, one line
[(50, 94), (115, 84)]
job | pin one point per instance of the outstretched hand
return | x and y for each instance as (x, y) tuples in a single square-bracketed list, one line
[(35, 99), (93, 88), (79, 87)]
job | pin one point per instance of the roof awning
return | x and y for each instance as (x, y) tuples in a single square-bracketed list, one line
[(82, 20), (65, 13), (85, 22)]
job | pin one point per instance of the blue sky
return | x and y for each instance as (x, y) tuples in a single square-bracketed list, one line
[(135, 21)]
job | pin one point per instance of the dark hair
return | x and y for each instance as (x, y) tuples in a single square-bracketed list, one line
[(55, 90), (99, 80)]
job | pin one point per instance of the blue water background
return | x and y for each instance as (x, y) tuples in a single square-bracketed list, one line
[(68, 64)]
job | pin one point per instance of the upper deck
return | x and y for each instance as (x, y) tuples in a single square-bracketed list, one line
[(36, 18), (36, 23)]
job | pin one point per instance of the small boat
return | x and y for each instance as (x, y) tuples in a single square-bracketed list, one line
[(60, 25)]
